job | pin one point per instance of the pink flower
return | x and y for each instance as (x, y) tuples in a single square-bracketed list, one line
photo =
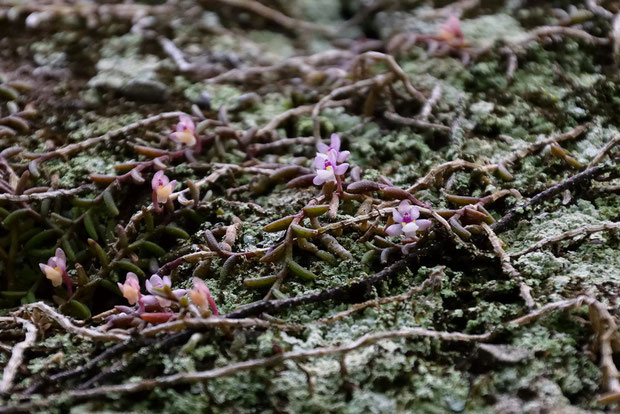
[(149, 301), (131, 288), (450, 31), (327, 167), (185, 131), (324, 149), (162, 188), (158, 287), (156, 281), (201, 296), (56, 270), (405, 217)]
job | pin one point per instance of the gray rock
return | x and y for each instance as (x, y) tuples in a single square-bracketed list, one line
[(145, 90), (203, 100)]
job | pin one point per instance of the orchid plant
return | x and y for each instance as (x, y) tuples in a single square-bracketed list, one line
[(158, 306)]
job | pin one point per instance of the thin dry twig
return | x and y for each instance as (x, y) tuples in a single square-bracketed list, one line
[(420, 123), (598, 9), (294, 66), (436, 173), (508, 268), (86, 9), (538, 145), (517, 212), (394, 68), (381, 79), (430, 102), (566, 235), (604, 151), (298, 111), (280, 144), (175, 54), (294, 25), (433, 280), (82, 145), (203, 323), (17, 353), (67, 325), (545, 31), (47, 194)]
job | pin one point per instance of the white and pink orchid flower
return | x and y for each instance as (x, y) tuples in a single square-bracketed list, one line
[(155, 286), (406, 221), (185, 131), (450, 31), (158, 282), (162, 188), (334, 145), (131, 288), (56, 270), (201, 296), (327, 168)]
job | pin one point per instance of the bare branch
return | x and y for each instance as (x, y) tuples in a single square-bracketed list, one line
[(566, 235), (17, 355)]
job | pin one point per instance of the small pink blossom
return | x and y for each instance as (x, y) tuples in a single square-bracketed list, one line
[(158, 282), (334, 145), (162, 188), (450, 31), (156, 285), (327, 168), (185, 131), (406, 221), (56, 270), (201, 296), (131, 288)]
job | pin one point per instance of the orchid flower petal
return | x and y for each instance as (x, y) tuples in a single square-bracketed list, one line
[(341, 169), (342, 156), (414, 212), (52, 273), (423, 224), (394, 230), (60, 257), (410, 229), (398, 218), (187, 123), (404, 207), (335, 142), (319, 162)]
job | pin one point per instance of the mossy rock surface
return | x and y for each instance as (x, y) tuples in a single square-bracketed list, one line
[(92, 71)]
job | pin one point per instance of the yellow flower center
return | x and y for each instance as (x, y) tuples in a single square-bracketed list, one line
[(328, 168)]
